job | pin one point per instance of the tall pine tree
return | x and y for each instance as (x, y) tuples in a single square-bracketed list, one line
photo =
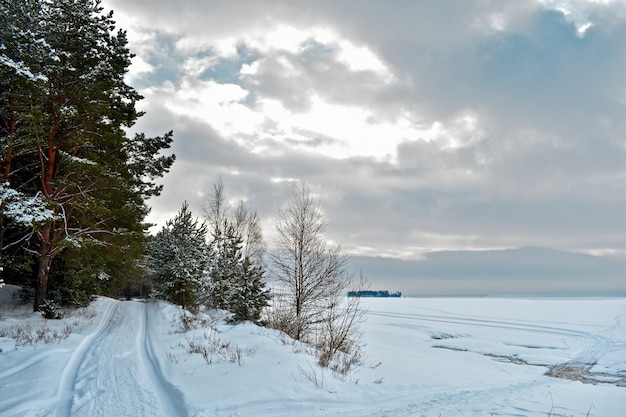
[(64, 107)]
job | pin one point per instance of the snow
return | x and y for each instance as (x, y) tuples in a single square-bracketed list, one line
[(424, 357), (22, 209)]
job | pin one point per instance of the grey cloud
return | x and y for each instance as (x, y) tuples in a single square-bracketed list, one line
[(525, 271), (314, 141), (547, 166), (294, 78)]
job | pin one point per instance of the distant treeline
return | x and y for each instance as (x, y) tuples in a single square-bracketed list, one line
[(384, 293)]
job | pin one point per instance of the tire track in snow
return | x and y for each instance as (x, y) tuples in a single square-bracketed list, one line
[(169, 400), (477, 322), (595, 345), (113, 373), (65, 391)]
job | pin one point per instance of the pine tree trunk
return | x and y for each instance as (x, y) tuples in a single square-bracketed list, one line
[(43, 268), (1, 229), (41, 285), (6, 163), (46, 234), (6, 172)]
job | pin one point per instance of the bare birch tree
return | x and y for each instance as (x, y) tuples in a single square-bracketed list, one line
[(246, 222), (314, 276)]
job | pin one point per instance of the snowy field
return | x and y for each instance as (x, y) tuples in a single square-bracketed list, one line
[(424, 357)]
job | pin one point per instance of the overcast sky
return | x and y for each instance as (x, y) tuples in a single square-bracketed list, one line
[(420, 125)]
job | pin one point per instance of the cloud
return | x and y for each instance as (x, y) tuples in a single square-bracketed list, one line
[(422, 125), (524, 271)]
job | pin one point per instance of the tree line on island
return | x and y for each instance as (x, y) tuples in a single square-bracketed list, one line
[(74, 188), (370, 293)]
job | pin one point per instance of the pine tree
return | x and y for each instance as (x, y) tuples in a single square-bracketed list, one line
[(250, 296), (225, 269), (64, 107), (237, 284), (179, 260)]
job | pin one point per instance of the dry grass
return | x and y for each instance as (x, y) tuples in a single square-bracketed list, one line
[(35, 332), (26, 334), (213, 349), (208, 345), (312, 375), (554, 413)]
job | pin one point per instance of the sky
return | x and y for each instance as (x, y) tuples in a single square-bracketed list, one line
[(420, 126)]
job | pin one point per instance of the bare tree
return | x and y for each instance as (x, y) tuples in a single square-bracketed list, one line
[(214, 207), (248, 225), (314, 278), (246, 222), (339, 341)]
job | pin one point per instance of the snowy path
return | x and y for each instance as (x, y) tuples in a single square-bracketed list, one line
[(112, 374)]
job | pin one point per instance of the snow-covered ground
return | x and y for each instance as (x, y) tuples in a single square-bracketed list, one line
[(424, 357)]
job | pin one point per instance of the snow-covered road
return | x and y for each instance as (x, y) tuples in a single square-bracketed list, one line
[(424, 357), (111, 372)]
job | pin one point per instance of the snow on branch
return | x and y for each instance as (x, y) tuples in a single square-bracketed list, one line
[(24, 210), (21, 69), (70, 157)]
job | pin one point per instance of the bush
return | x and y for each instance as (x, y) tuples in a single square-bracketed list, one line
[(50, 310)]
